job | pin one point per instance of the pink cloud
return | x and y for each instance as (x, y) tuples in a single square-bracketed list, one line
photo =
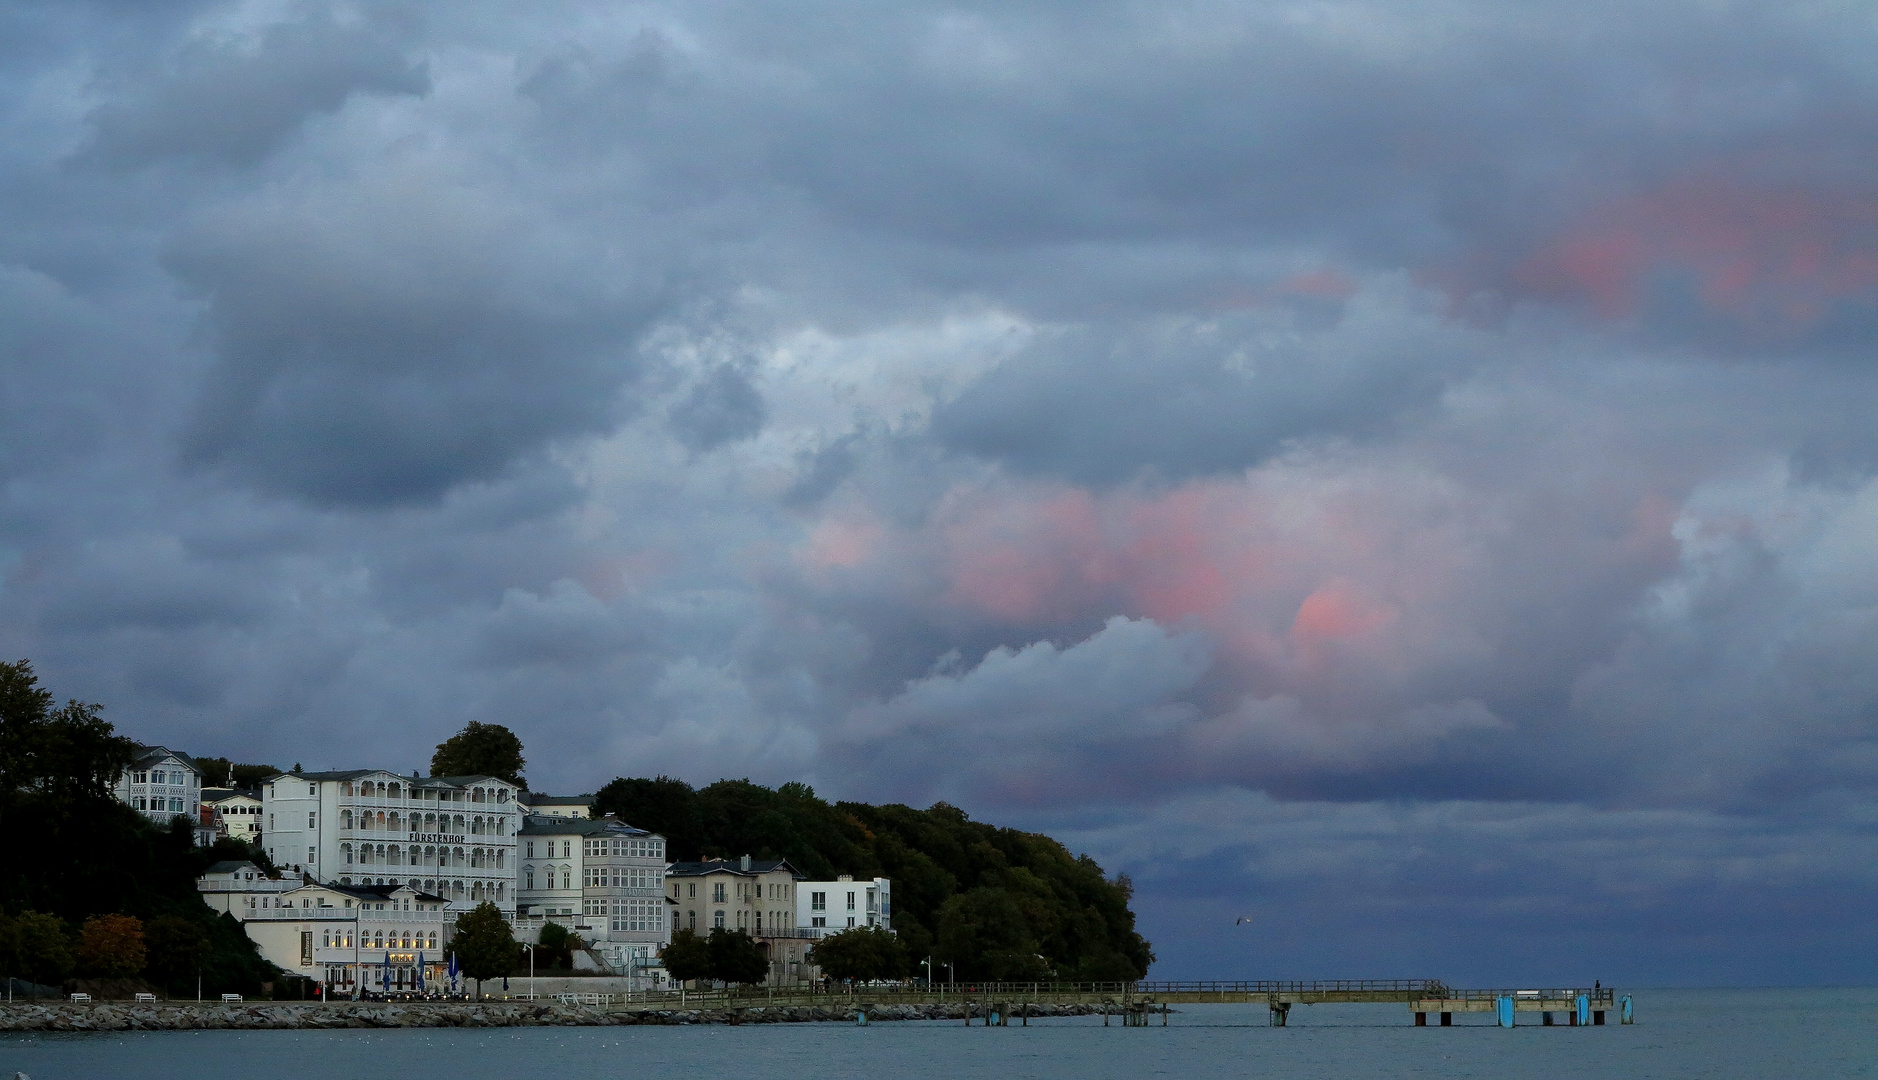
[(1776, 259)]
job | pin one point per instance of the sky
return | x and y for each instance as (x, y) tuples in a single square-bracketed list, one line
[(1402, 474)]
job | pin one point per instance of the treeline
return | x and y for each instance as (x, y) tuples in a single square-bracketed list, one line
[(997, 903), (88, 886)]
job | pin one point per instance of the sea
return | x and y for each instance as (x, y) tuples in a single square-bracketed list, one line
[(1679, 1033)]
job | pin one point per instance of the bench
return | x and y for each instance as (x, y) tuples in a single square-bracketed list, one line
[(231, 997), (146, 999), (81, 999)]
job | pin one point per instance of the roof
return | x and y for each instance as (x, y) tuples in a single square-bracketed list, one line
[(229, 866), (535, 798), (731, 866), (147, 754), (337, 775), (546, 825), (380, 892), (222, 794)]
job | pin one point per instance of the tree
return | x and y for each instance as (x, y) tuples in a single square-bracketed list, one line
[(985, 933), (35, 947), (484, 946), (556, 946), (688, 957), (481, 750), (111, 946), (66, 753), (175, 949), (221, 772), (735, 957), (863, 953)]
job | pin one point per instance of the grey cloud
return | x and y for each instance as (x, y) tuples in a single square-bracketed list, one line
[(720, 407), (377, 350), (232, 103), (1101, 403)]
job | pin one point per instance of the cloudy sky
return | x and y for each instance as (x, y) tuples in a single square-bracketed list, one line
[(1405, 472)]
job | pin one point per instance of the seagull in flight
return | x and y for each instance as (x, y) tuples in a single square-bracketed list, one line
[(1242, 919)]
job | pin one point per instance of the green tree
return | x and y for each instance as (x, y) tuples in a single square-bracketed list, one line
[(221, 772), (863, 954), (36, 948), (736, 957), (484, 945), (481, 750), (66, 753), (111, 946), (175, 949), (984, 932), (556, 946), (688, 957)]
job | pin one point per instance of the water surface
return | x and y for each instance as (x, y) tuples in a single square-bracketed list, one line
[(1706, 1034)]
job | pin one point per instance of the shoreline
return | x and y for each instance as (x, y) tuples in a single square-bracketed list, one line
[(114, 1016)]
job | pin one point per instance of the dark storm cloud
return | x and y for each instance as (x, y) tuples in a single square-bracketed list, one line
[(722, 407), (232, 103), (1331, 453), (376, 348)]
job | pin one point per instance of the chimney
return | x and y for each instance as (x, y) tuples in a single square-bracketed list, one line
[(746, 864)]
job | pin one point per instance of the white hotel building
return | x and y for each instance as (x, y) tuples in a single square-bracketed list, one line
[(834, 906), (603, 878), (451, 836)]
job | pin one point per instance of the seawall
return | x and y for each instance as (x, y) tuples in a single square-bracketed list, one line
[(290, 1015)]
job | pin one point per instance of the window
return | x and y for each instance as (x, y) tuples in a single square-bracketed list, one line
[(717, 918), (819, 920), (531, 849), (818, 901), (850, 907), (270, 822), (567, 848), (717, 894), (312, 789), (691, 889), (311, 819), (692, 920), (850, 920)]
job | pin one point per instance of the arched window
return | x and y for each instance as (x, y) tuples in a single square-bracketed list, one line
[(345, 853), (391, 792), (345, 787), (502, 890), (392, 824), (345, 819), (460, 827), (502, 859)]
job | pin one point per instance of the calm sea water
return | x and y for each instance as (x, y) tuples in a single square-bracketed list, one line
[(1707, 1034)]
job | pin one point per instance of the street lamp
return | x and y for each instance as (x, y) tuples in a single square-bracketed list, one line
[(531, 970)]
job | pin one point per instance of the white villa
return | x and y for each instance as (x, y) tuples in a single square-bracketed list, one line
[(603, 879), (833, 906), (451, 836)]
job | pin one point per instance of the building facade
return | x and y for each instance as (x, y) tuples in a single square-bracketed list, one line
[(754, 896), (564, 806), (837, 905), (601, 878), (236, 813), (377, 938), (451, 836), (162, 784)]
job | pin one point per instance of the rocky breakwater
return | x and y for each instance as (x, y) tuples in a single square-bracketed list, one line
[(275, 1015)]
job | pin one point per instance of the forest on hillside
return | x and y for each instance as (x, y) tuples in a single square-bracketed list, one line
[(80, 870), (998, 903)]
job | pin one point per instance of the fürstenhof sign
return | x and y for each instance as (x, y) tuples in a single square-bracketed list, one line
[(436, 838)]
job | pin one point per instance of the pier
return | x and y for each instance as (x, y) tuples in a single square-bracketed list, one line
[(1137, 1003)]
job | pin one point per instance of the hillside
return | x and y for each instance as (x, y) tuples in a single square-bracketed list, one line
[(998, 902)]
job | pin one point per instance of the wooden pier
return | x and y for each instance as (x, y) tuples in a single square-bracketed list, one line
[(1135, 1003)]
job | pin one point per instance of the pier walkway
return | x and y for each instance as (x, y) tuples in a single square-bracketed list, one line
[(1135, 1000)]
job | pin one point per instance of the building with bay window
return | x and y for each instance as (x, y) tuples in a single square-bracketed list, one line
[(601, 878), (377, 938), (450, 836), (162, 784), (753, 896)]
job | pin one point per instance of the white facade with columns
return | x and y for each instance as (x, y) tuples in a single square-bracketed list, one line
[(452, 836)]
